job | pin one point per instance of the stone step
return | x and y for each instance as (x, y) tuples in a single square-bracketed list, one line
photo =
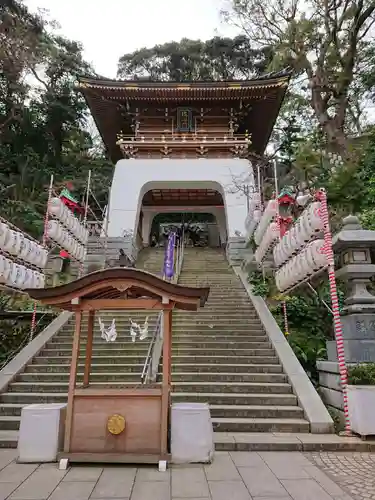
[(305, 442), (230, 387), (229, 377), (180, 337), (262, 441), (124, 359), (222, 311), (27, 398), (11, 409), (211, 398), (9, 423), (218, 387), (121, 359), (181, 327), (136, 376), (254, 411), (63, 386), (217, 411), (97, 351), (137, 368), (260, 425), (239, 399), (8, 439), (177, 343), (192, 351), (124, 377), (202, 326)]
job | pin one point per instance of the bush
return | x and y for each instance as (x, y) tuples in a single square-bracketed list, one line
[(260, 286), (362, 374)]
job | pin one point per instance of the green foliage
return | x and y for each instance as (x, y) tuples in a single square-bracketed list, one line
[(310, 325), (190, 60), (260, 285), (362, 374)]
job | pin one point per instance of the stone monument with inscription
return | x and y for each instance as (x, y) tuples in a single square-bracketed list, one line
[(353, 247)]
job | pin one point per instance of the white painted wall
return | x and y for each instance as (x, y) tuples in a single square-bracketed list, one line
[(134, 177)]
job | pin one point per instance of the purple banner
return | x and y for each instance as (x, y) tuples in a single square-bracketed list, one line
[(169, 256)]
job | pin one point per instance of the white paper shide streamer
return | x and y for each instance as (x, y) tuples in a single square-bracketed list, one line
[(137, 330), (108, 334)]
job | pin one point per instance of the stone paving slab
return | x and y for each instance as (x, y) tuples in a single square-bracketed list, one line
[(234, 475)]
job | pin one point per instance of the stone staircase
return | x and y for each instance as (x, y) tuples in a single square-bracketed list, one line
[(222, 355)]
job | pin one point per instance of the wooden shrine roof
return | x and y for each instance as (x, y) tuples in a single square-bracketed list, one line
[(110, 101), (120, 283)]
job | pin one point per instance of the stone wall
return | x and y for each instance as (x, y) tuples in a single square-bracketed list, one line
[(97, 258)]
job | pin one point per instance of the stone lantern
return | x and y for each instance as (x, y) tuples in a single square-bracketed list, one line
[(352, 247)]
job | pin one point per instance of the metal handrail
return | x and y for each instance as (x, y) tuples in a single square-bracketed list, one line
[(156, 334)]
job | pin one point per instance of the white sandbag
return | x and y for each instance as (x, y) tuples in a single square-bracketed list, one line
[(192, 439)]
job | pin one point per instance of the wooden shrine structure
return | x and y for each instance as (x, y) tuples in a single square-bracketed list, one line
[(128, 424), (202, 119)]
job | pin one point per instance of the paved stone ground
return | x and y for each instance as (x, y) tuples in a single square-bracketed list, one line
[(232, 476), (354, 472)]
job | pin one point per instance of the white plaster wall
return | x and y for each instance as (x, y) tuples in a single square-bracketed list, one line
[(134, 177)]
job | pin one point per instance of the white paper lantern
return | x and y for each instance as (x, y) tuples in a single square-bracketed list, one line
[(69, 222), (313, 219), (8, 264), (10, 242), (13, 275), (44, 258), (317, 255), (36, 279), (25, 250), (268, 214), (42, 280), (53, 230), (56, 207), (64, 215), (21, 277), (29, 276), (4, 232)]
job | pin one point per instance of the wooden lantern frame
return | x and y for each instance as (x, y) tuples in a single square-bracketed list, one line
[(144, 410)]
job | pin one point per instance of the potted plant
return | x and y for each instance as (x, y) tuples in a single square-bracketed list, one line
[(361, 398)]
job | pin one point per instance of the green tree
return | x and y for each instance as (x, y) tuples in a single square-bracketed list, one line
[(44, 121), (190, 60), (327, 43)]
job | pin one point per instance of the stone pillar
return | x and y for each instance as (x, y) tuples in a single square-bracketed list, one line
[(352, 247)]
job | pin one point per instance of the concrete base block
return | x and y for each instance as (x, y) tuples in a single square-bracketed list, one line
[(332, 397), (236, 250), (358, 326), (356, 351)]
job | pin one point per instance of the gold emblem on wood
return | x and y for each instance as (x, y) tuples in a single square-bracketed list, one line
[(116, 424)]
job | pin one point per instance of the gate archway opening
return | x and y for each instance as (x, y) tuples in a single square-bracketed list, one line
[(193, 205)]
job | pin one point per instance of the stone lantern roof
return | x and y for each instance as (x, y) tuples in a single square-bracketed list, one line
[(353, 235)]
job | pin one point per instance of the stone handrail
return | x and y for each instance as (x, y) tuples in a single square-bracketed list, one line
[(26, 355)]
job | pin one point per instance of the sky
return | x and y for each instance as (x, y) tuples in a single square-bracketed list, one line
[(112, 28)]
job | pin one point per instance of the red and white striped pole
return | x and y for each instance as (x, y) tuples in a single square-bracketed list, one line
[(321, 195)]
